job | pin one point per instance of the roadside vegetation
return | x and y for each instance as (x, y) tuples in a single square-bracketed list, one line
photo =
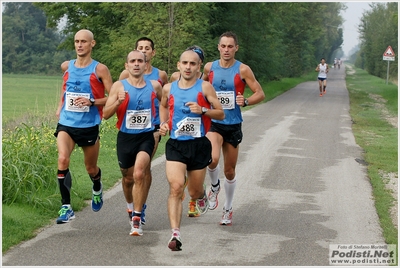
[(374, 111)]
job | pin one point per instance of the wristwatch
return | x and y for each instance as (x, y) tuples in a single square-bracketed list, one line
[(246, 102), (91, 101), (203, 110)]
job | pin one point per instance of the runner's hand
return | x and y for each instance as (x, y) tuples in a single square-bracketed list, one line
[(194, 107), (240, 99)]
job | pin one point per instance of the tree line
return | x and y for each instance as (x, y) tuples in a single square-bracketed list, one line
[(276, 39), (378, 29)]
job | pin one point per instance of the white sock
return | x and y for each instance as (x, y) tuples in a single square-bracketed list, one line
[(214, 176), (129, 206), (229, 191)]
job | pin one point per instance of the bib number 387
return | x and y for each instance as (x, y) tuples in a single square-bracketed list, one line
[(138, 119)]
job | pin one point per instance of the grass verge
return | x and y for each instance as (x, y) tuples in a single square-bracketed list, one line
[(374, 109)]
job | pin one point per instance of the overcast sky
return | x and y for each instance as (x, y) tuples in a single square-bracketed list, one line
[(352, 17)]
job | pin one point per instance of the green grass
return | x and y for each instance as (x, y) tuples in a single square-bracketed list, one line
[(26, 97), (377, 137)]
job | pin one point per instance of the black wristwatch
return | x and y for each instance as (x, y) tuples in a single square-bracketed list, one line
[(246, 102), (203, 110), (91, 101)]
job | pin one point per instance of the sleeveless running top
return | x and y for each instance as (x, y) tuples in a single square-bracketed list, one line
[(135, 114), (81, 82), (322, 71), (227, 84), (155, 75), (184, 124)]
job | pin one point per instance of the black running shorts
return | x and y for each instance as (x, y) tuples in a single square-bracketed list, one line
[(230, 133), (129, 145), (81, 136), (196, 154)]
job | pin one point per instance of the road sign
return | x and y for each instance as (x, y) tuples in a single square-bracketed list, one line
[(388, 56), (389, 52)]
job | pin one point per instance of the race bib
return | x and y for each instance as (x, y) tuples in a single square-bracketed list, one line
[(190, 126), (135, 119), (70, 99), (227, 99)]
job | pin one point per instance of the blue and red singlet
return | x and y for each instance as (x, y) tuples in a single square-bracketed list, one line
[(81, 82), (155, 75), (136, 113), (184, 124), (227, 84)]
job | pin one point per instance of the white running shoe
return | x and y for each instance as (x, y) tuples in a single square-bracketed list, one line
[(213, 198), (175, 242), (136, 227), (226, 217)]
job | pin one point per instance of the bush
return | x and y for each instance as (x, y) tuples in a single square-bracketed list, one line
[(28, 170)]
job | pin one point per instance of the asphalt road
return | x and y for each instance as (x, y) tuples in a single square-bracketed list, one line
[(299, 189)]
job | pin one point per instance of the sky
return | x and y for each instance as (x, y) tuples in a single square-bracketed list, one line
[(352, 16)]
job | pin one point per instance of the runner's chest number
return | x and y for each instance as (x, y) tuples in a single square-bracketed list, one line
[(227, 99), (70, 99), (138, 119)]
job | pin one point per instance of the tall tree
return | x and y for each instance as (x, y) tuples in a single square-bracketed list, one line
[(116, 26), (378, 29), (28, 45), (276, 39)]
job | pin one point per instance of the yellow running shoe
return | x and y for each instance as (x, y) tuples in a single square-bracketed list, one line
[(193, 210)]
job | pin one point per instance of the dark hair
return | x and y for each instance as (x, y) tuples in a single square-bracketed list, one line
[(322, 59), (229, 34), (145, 39), (199, 51)]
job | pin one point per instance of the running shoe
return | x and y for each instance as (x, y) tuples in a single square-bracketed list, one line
[(175, 242), (97, 199), (320, 94), (324, 91), (202, 204), (226, 217), (142, 217), (193, 210), (213, 198), (66, 214), (136, 226)]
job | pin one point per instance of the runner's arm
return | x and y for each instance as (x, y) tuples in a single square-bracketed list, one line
[(64, 67), (164, 116), (116, 97), (216, 112), (258, 94)]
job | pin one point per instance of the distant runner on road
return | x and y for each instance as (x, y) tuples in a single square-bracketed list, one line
[(322, 69)]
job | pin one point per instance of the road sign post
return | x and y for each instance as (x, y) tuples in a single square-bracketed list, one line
[(389, 56)]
